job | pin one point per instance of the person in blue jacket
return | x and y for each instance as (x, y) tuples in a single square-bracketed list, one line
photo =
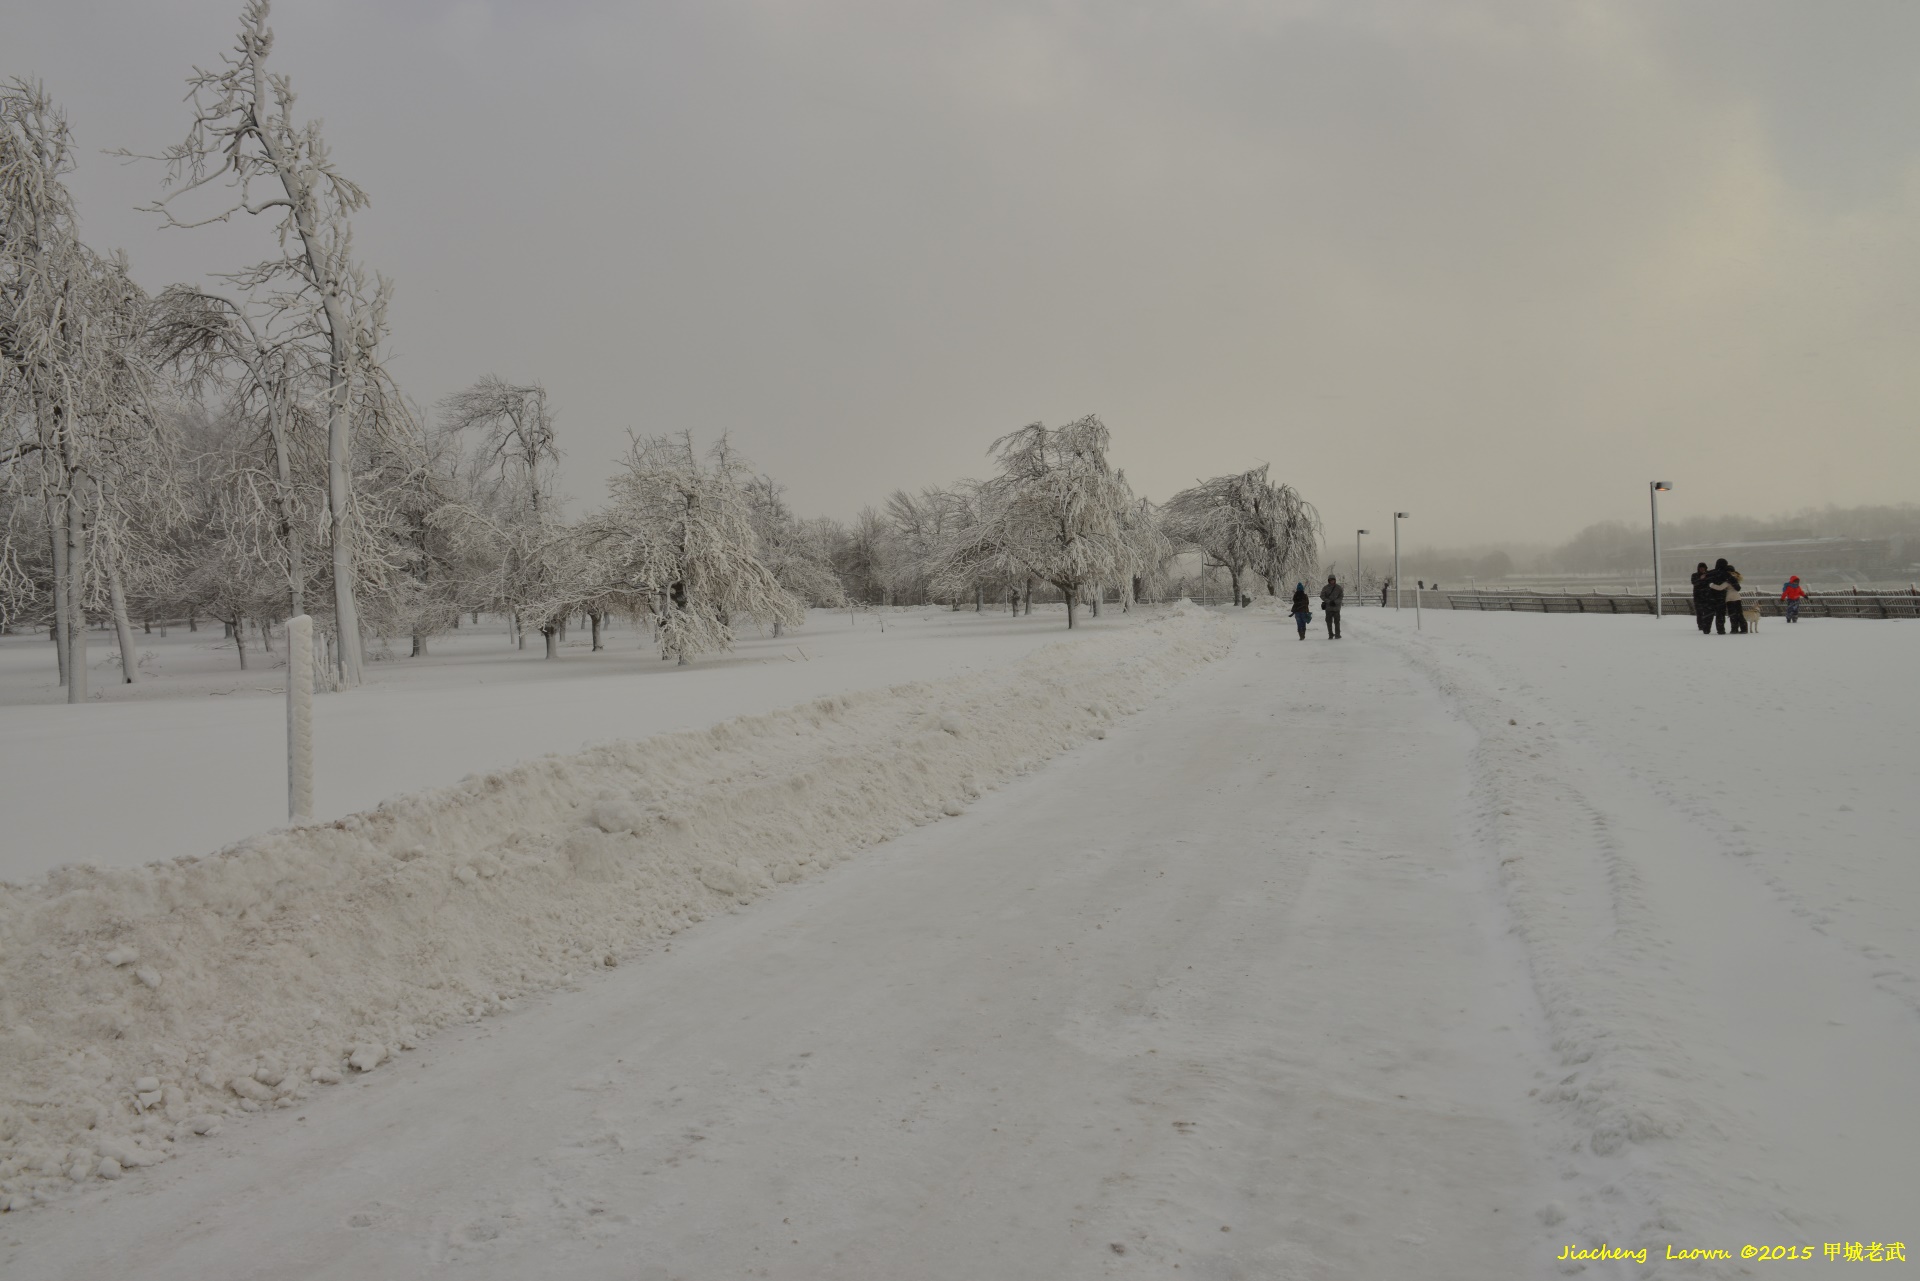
[(1302, 611)]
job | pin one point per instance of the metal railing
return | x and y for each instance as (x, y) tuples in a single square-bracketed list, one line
[(1680, 604)]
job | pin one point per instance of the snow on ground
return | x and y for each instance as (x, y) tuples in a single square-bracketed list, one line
[(1215, 994), (1707, 846), (138, 1006), (1421, 954), (193, 757)]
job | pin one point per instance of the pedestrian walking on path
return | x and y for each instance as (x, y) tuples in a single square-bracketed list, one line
[(1330, 597), (1302, 611)]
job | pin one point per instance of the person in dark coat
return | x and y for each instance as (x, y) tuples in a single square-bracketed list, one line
[(1302, 610), (1702, 599), (1718, 581), (1330, 597)]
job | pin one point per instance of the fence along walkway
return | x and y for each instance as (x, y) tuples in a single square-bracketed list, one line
[(1821, 605)]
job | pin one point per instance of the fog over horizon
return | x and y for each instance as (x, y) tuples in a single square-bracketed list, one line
[(1496, 263)]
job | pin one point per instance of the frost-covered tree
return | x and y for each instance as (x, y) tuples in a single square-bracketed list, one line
[(75, 381), (516, 439), (862, 557), (217, 346), (1153, 551), (798, 553), (244, 137), (1245, 522), (514, 453), (680, 530), (1057, 511), (921, 529)]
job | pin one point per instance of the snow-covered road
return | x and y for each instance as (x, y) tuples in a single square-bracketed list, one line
[(1423, 954), (1227, 992)]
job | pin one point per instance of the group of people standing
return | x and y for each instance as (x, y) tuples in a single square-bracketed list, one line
[(1719, 601)]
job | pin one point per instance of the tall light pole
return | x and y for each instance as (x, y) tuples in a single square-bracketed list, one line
[(1356, 555), (1653, 500), (1397, 518)]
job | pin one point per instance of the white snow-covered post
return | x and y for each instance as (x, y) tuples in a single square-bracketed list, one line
[(299, 718)]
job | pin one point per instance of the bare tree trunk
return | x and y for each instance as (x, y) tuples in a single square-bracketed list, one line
[(346, 610), (240, 641), (265, 628), (1070, 608), (979, 597), (323, 273), (552, 632), (289, 528), (1098, 592), (420, 642), (776, 629), (193, 624), (129, 665), (76, 598), (57, 534), (1027, 605)]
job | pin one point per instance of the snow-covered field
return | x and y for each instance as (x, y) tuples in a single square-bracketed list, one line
[(194, 757), (1420, 954)]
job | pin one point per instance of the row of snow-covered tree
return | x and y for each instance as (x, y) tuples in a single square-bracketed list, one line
[(243, 453)]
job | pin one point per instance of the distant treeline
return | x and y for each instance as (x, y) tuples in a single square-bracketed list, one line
[(1620, 547)]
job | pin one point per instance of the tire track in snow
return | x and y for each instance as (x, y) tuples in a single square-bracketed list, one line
[(1683, 1092)]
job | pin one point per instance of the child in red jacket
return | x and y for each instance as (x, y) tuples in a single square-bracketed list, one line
[(1793, 594)]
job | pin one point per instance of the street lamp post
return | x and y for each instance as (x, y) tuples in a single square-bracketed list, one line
[(1397, 518), (1356, 555), (1653, 500)]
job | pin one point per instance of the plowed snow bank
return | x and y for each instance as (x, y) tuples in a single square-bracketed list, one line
[(139, 1007)]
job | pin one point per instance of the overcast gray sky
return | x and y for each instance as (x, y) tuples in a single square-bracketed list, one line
[(1499, 262)]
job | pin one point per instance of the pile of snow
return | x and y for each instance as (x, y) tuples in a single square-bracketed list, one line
[(141, 1007)]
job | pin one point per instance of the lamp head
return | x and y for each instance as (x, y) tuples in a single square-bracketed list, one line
[(1663, 484), (1363, 531), (1401, 515)]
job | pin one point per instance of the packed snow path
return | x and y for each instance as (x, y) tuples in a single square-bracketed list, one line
[(1223, 992), (1420, 954)]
